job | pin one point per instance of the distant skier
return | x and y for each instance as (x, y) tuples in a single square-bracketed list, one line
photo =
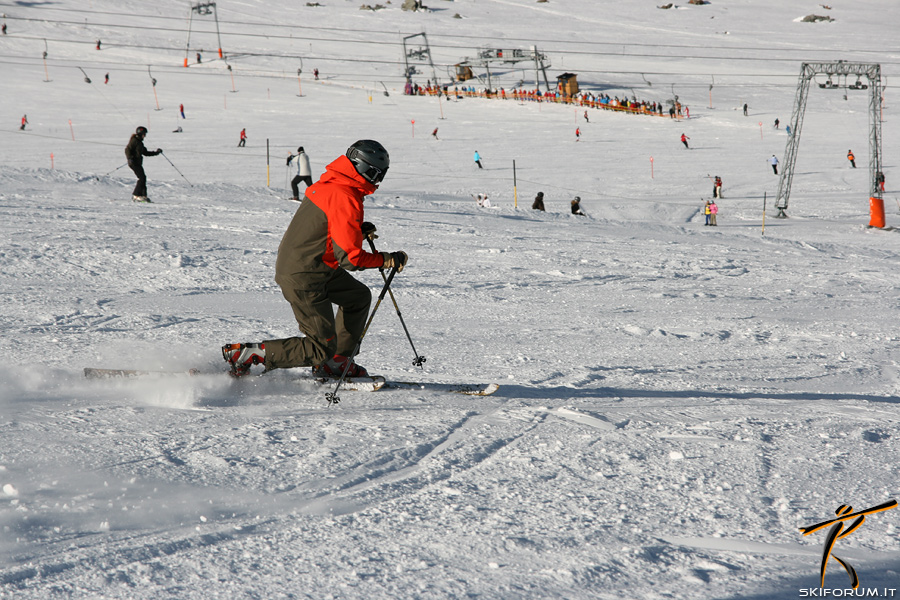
[(576, 206), (777, 122), (199, 58), (538, 203), (787, 130), (577, 134), (478, 160), (316, 74), (98, 44), (586, 117), (181, 110), (879, 180), (304, 173), (713, 211), (106, 78), (135, 153), (243, 141), (434, 133), (684, 140), (707, 212), (717, 187), (745, 109), (3, 28), (774, 162), (851, 158), (323, 242), (24, 122)]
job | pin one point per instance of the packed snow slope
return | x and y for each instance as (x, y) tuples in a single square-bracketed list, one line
[(676, 400)]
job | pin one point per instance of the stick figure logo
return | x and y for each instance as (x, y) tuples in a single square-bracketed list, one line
[(837, 532)]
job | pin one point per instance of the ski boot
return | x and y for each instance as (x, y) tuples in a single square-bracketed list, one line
[(335, 367), (243, 356)]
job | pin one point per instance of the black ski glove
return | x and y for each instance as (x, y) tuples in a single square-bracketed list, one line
[(289, 159), (368, 230), (394, 260), (159, 150)]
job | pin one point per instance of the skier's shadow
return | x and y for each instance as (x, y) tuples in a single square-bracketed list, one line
[(568, 393)]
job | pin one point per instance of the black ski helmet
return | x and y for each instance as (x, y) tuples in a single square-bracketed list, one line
[(370, 160), (300, 149), (141, 130)]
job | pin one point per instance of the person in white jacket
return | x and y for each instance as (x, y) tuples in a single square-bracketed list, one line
[(774, 162), (303, 172)]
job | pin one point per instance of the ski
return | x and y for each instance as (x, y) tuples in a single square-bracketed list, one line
[(467, 389), (371, 383), (92, 373), (352, 384)]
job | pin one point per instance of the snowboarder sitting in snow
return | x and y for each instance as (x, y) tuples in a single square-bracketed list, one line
[(576, 206), (322, 243), (135, 152)]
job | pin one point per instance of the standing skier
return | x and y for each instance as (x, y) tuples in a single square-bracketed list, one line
[(304, 173), (774, 162), (577, 134), (135, 153), (684, 140), (322, 243), (478, 160), (851, 158), (717, 187), (243, 140), (24, 122), (181, 110), (713, 211), (434, 133)]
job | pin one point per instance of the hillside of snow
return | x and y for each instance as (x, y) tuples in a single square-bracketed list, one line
[(676, 401)]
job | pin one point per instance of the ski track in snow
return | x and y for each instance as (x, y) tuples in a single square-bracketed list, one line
[(676, 400)]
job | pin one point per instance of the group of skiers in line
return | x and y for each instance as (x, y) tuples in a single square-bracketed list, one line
[(586, 99)]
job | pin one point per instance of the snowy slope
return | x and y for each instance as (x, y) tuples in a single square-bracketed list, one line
[(676, 400)]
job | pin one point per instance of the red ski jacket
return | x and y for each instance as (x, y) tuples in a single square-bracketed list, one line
[(325, 233)]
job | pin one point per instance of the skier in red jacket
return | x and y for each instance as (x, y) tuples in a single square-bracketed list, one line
[(322, 243)]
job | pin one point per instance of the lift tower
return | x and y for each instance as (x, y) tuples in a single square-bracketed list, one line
[(808, 71), (203, 9)]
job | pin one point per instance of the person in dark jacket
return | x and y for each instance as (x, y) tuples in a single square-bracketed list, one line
[(538, 203), (576, 206), (322, 243), (135, 153)]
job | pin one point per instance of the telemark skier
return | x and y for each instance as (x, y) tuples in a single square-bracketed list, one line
[(135, 152), (322, 243)]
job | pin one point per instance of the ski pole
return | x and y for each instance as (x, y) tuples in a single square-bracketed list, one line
[(176, 168), (114, 170), (418, 360), (332, 396)]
